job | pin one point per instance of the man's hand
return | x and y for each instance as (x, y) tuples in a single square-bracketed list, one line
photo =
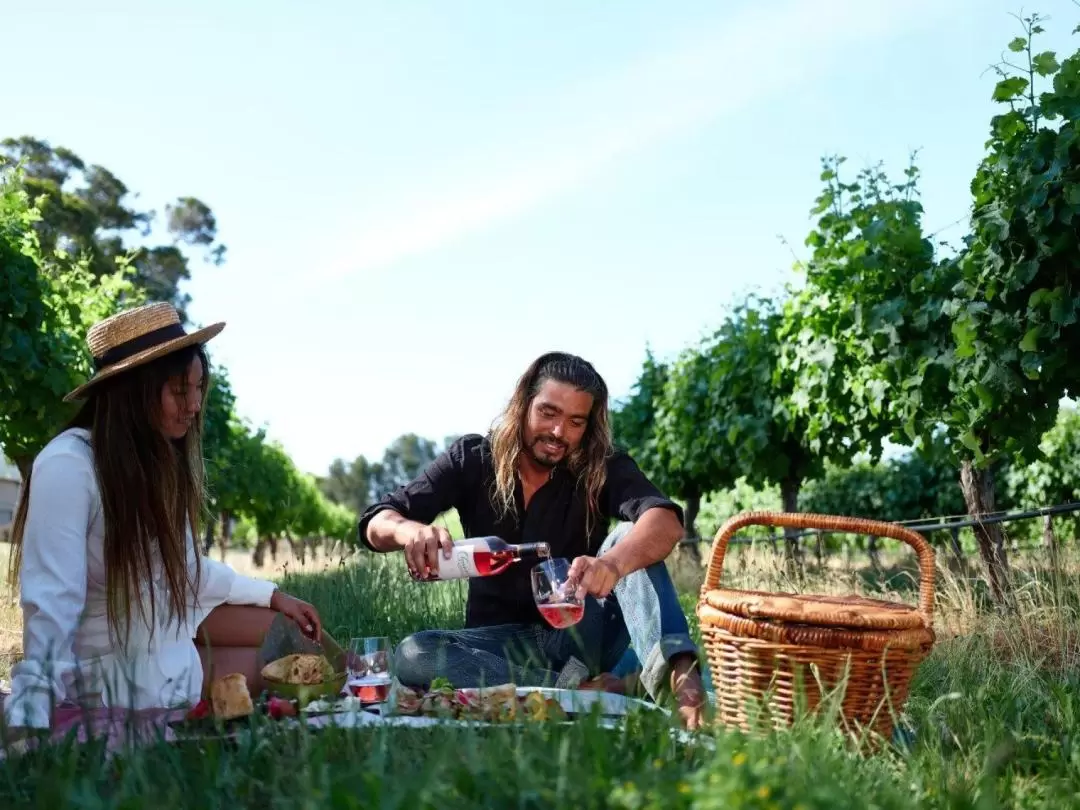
[(422, 545), (305, 615), (593, 575)]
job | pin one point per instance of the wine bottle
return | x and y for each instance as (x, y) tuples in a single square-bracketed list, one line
[(484, 557)]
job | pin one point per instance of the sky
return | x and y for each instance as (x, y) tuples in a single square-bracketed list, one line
[(418, 198)]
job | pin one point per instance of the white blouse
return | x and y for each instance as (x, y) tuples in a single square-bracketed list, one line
[(68, 652)]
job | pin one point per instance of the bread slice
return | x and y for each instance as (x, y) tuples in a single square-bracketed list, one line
[(298, 669), (279, 669), (229, 697)]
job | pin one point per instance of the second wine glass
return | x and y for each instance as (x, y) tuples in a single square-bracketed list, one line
[(554, 594), (370, 663)]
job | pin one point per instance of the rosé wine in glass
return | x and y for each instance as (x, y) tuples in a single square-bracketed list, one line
[(554, 594), (370, 663)]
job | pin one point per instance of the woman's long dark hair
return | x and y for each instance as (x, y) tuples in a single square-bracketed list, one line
[(151, 487)]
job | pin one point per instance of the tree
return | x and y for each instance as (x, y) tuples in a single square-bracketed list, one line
[(47, 304), (864, 339), (1016, 301), (633, 428), (402, 461), (86, 211), (727, 412), (360, 483), (867, 339), (687, 468)]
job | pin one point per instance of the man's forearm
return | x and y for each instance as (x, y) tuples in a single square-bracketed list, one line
[(652, 538), (384, 530)]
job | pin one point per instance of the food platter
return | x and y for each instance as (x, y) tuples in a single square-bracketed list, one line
[(506, 704), (307, 689)]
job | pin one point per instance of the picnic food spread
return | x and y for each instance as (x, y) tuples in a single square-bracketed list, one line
[(490, 704), (230, 697)]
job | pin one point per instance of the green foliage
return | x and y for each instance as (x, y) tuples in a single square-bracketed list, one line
[(1054, 476), (742, 497), (47, 304), (359, 484), (864, 338), (919, 484), (633, 424), (1016, 302), (724, 412), (86, 210)]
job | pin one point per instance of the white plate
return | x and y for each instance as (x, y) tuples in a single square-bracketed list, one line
[(582, 701)]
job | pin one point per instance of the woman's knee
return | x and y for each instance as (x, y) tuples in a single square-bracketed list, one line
[(235, 626)]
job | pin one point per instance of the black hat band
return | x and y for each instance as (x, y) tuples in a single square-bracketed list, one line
[(141, 343)]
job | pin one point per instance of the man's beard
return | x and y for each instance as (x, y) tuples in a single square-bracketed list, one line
[(535, 455)]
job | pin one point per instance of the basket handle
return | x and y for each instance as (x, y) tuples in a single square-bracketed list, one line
[(835, 523)]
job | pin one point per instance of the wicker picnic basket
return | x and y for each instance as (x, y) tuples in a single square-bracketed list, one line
[(770, 653)]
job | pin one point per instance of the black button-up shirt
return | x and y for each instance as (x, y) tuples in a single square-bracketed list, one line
[(462, 478)]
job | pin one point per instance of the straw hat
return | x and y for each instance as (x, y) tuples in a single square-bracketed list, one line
[(134, 337)]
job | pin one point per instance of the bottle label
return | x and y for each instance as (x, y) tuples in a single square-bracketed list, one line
[(462, 562)]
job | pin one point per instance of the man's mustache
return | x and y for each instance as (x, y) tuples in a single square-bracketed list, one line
[(550, 440)]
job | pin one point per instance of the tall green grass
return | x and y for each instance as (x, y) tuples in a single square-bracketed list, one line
[(994, 717)]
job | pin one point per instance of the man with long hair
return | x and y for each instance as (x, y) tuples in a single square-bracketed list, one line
[(547, 472)]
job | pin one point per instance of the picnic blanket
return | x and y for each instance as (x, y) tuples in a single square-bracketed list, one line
[(123, 729)]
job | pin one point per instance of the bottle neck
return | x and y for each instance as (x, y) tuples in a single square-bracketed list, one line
[(532, 551)]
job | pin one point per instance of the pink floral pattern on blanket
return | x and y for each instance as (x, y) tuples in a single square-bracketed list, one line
[(120, 727)]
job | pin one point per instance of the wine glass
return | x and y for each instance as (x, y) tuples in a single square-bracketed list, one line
[(554, 594), (370, 663)]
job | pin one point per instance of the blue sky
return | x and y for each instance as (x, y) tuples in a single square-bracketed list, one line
[(420, 197)]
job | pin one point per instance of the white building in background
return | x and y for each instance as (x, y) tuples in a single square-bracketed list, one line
[(9, 493)]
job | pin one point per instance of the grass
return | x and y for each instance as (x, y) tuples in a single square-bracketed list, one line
[(995, 713)]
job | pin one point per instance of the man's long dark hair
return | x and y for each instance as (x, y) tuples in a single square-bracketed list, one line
[(588, 462), (151, 488)]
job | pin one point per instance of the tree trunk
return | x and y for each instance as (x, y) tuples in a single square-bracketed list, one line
[(819, 548), (872, 550), (24, 464), (208, 537), (981, 499), (773, 534), (1050, 542), (226, 532), (957, 549), (693, 508), (297, 547), (692, 550), (789, 498)]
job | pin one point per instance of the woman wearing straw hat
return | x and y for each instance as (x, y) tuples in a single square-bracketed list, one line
[(112, 589)]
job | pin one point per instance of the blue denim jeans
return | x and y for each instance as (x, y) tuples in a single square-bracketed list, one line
[(639, 625)]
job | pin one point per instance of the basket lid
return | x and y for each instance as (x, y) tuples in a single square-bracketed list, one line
[(817, 609)]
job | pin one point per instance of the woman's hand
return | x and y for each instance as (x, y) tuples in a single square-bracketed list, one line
[(300, 612)]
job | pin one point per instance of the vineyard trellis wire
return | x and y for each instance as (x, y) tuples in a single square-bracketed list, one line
[(935, 524)]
